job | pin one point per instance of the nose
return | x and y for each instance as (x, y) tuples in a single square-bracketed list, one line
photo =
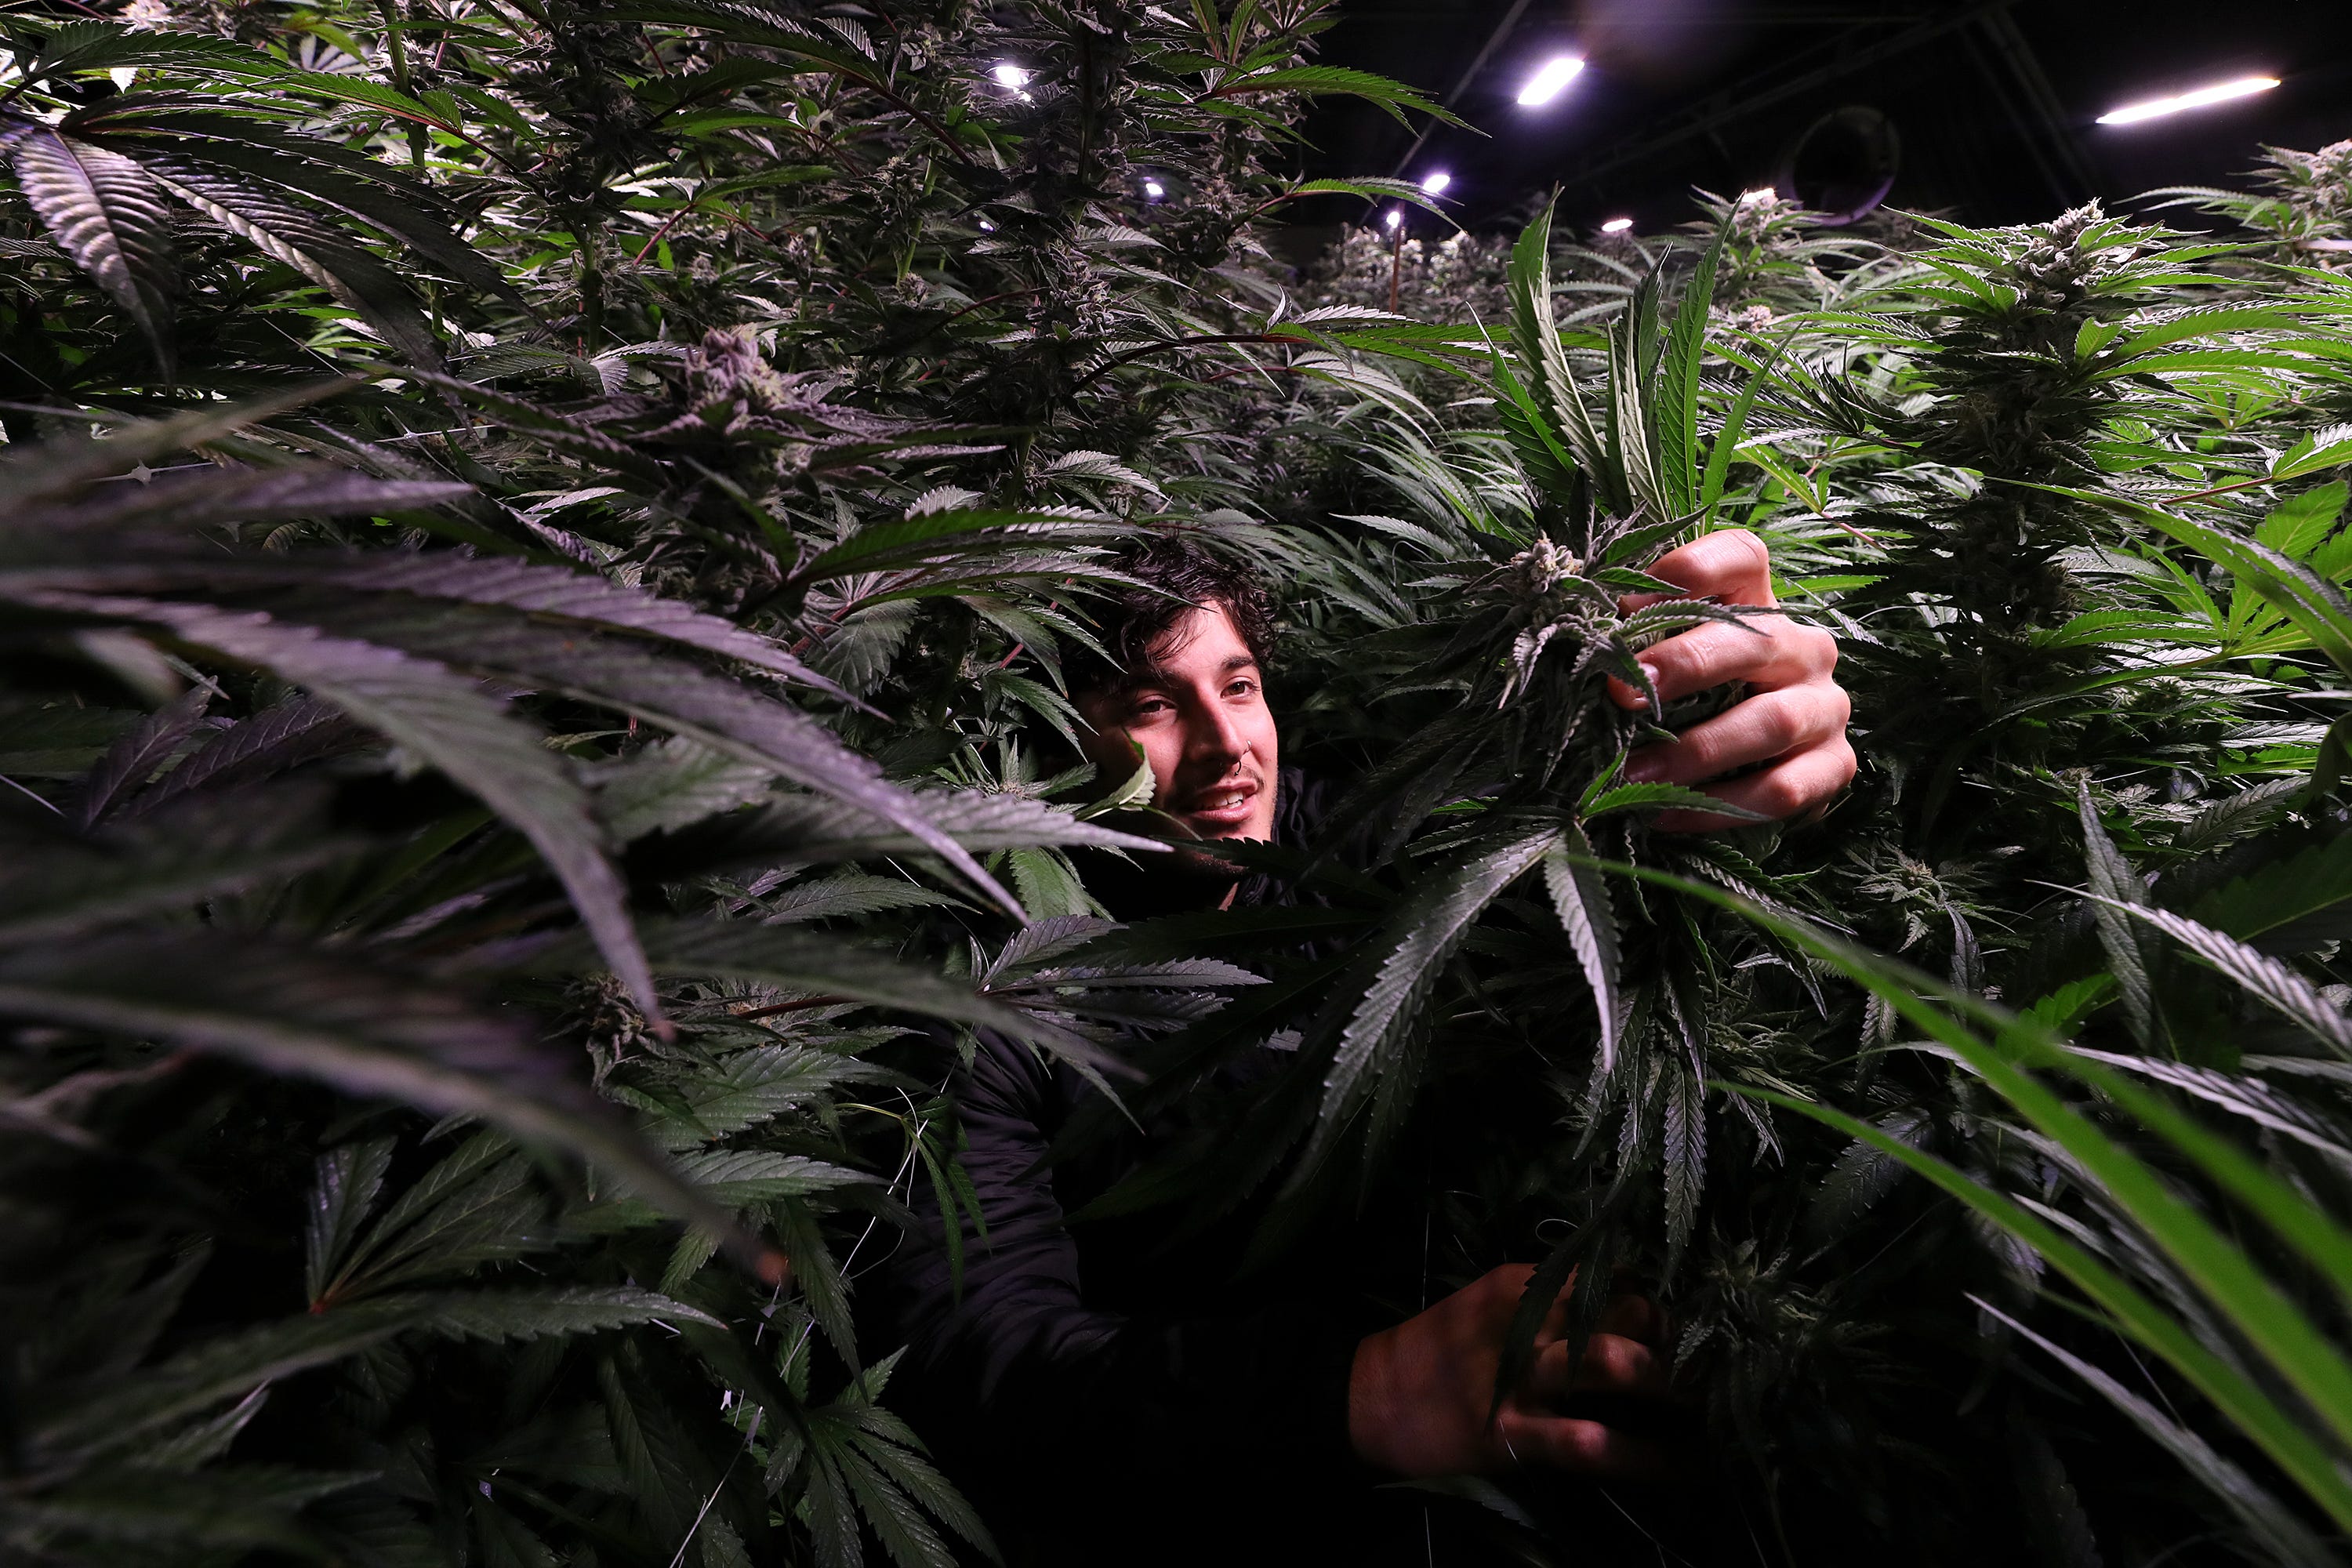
[(1216, 739)]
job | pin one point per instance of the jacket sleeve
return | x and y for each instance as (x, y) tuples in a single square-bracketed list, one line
[(1032, 1397)]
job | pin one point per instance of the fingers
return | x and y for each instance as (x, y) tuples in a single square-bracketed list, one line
[(1527, 1437), (1629, 1315), (1767, 651), (1612, 1364), (1634, 1317), (1806, 781), (1731, 566), (1500, 1289), (1768, 725)]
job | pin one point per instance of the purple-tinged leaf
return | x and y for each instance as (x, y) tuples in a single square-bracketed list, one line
[(105, 213)]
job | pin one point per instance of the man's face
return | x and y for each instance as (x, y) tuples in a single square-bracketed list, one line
[(1198, 712)]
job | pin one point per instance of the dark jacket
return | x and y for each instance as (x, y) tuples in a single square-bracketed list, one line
[(1095, 1390)]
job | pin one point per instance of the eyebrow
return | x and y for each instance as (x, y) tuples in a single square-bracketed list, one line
[(1160, 675)]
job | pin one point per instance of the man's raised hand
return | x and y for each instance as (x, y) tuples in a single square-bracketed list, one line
[(1420, 1393), (1795, 721)]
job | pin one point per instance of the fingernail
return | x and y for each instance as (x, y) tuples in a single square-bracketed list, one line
[(1650, 674), (1644, 768)]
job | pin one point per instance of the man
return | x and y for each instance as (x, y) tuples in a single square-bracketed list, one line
[(1094, 1391)]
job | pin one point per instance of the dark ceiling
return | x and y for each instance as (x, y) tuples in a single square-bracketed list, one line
[(1993, 105)]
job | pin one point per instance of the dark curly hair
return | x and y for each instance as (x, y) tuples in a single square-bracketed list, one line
[(1186, 575)]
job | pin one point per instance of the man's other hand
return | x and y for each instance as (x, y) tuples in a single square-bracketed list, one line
[(1419, 1394), (1795, 721)]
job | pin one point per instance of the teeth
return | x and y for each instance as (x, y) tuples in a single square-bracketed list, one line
[(1219, 803)]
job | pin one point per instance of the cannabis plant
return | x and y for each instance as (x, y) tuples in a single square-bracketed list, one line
[(540, 549), (2062, 510), (480, 837), (2303, 210)]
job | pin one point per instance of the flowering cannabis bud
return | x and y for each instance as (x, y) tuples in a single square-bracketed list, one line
[(1539, 568)]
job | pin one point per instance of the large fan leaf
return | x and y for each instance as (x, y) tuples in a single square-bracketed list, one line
[(2283, 1536), (273, 740), (1582, 899), (508, 1313), (1551, 388), (440, 716), (406, 210), (2278, 900), (136, 755), (139, 1511), (82, 48), (371, 1032), (163, 862), (284, 232), (204, 1375), (1679, 389), (59, 466), (2288, 1341), (2259, 973), (105, 213), (342, 1195), (2117, 886), (181, 503), (817, 965), (888, 545), (751, 1176), (1412, 946), (2317, 606), (558, 594), (724, 715)]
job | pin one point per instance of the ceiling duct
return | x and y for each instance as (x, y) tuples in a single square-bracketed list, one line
[(1843, 165)]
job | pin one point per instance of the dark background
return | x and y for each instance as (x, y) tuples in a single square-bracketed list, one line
[(1992, 104)]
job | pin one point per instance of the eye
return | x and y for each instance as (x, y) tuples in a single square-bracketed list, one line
[(1241, 686), (1146, 708)]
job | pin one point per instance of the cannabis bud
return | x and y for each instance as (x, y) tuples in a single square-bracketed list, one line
[(1536, 571)]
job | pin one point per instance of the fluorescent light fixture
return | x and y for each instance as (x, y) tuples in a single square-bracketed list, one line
[(1154, 189), (2220, 92), (1550, 78), (1436, 183), (1396, 216), (1617, 226), (1009, 74)]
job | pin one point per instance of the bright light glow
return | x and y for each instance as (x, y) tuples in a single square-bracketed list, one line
[(1009, 74), (1617, 226), (1154, 189), (1761, 193), (2220, 92), (1396, 216), (1437, 181), (986, 226), (1550, 78)]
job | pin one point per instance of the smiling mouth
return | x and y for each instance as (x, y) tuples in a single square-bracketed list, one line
[(1225, 807)]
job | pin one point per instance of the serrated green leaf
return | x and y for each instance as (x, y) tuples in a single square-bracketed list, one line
[(1675, 797), (109, 218), (342, 1195), (1412, 944), (1581, 899), (509, 1313), (445, 720)]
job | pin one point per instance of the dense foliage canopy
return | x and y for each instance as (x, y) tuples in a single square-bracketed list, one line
[(539, 548)]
